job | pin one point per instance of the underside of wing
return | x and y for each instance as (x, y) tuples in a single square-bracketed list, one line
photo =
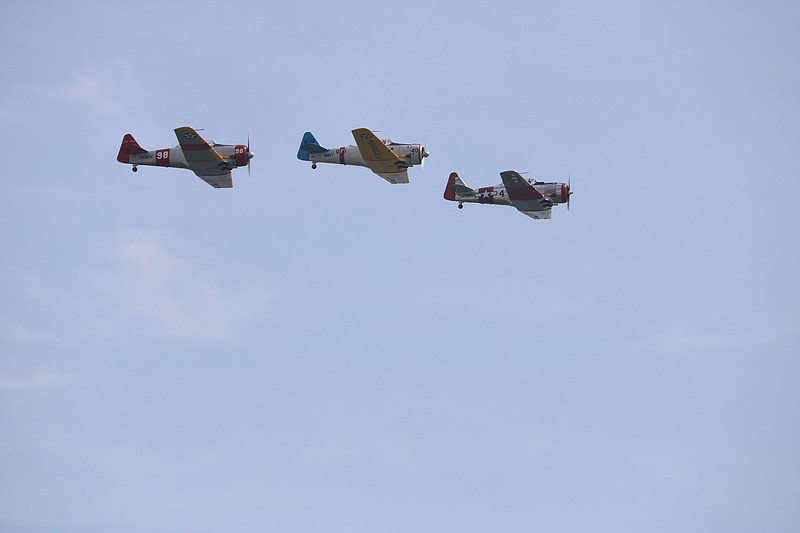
[(538, 215), (394, 177), (378, 157), (218, 181), (203, 159)]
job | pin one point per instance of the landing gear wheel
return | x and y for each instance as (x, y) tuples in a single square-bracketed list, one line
[(313, 165), (461, 206), (135, 169)]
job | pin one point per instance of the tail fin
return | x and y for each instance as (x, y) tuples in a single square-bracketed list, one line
[(455, 185), (129, 146), (309, 145)]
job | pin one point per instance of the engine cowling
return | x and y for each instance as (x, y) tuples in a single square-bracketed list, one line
[(240, 155)]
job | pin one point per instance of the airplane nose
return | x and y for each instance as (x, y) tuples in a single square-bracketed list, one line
[(250, 155)]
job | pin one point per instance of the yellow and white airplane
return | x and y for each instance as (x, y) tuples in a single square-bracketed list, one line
[(387, 159), (212, 162)]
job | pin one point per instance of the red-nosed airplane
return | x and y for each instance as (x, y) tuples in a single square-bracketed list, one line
[(212, 162), (530, 197), (387, 159)]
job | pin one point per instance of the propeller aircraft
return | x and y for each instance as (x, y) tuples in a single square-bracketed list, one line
[(530, 197), (212, 162), (387, 159)]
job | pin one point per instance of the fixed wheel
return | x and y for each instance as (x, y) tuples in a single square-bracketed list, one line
[(135, 169), (461, 206), (313, 165)]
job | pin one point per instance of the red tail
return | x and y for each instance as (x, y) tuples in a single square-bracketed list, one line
[(450, 190), (129, 146)]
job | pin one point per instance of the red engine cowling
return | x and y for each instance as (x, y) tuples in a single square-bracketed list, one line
[(564, 193), (240, 155)]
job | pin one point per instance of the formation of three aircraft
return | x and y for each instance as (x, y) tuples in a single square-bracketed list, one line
[(213, 163)]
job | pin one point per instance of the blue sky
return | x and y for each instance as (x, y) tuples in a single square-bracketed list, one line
[(320, 351)]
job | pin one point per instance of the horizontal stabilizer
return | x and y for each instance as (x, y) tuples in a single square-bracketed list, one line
[(456, 186)]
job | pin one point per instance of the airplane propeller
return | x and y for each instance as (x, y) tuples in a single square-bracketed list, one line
[(569, 189), (249, 155)]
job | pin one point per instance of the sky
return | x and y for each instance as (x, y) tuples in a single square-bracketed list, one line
[(321, 351)]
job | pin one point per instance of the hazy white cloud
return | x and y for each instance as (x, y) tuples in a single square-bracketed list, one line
[(21, 333), (107, 90), (687, 342), (143, 284), (693, 342), (156, 289), (86, 90), (41, 379)]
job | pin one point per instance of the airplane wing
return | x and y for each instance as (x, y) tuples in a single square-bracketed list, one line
[(538, 215), (379, 158), (203, 160), (394, 177), (524, 196)]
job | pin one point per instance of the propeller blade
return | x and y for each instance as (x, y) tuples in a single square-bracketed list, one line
[(569, 189)]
